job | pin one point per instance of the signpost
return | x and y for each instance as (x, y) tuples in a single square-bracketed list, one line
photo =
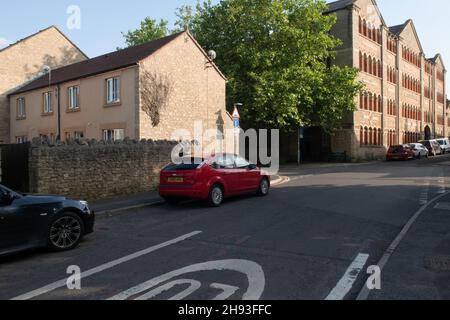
[(236, 125)]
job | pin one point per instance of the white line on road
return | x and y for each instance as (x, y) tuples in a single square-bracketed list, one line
[(103, 267), (365, 292), (346, 283)]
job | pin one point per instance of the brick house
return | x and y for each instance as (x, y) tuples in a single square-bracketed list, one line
[(22, 61), (404, 96), (102, 98)]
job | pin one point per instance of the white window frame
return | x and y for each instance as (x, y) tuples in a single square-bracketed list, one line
[(78, 135), (113, 90), (21, 108), (48, 106), (113, 134), (22, 139), (74, 97)]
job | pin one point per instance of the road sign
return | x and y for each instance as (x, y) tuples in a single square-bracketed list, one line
[(236, 114), (236, 123)]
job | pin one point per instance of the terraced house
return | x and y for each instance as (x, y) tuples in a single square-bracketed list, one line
[(24, 60), (404, 99), (106, 98)]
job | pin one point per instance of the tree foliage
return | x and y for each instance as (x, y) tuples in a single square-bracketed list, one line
[(149, 30), (278, 56)]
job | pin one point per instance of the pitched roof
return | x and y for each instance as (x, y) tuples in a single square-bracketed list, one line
[(107, 62), (396, 30), (338, 5), (39, 32)]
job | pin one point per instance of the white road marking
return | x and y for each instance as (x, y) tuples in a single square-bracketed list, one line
[(346, 283), (194, 285), (365, 292), (103, 267), (424, 194), (253, 271)]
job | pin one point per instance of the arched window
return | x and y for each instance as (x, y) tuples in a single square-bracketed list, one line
[(380, 137), (366, 136), (365, 62), (375, 67), (360, 61), (370, 137), (360, 25), (370, 65), (361, 136), (365, 27), (361, 101), (366, 101), (380, 104)]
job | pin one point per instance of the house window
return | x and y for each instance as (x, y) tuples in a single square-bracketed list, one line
[(78, 134), (21, 111), (112, 90), (22, 139), (74, 98), (48, 107), (48, 137), (113, 134)]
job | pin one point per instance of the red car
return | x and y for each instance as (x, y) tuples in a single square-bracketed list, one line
[(400, 152), (213, 179)]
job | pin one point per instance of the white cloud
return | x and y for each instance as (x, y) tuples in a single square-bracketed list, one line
[(4, 42)]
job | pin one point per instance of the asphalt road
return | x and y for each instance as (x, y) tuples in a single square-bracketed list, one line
[(312, 238)]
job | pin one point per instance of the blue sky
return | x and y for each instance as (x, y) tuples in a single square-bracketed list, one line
[(102, 21)]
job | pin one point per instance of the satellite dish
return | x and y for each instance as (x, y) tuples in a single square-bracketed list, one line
[(212, 55)]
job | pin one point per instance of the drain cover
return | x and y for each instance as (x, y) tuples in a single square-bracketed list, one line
[(438, 263)]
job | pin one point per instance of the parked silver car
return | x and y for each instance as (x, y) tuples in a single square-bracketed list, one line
[(445, 145), (420, 151)]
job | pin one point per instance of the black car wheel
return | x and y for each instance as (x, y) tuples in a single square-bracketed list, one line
[(65, 232), (264, 187), (216, 196)]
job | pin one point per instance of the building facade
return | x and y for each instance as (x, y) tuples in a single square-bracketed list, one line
[(404, 99), (103, 98), (25, 59)]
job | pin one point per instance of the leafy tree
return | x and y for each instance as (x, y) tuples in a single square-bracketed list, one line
[(276, 55), (149, 30)]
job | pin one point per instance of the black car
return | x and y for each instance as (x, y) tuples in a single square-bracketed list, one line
[(34, 221)]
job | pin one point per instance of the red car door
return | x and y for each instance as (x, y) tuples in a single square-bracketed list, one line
[(225, 169), (248, 176)]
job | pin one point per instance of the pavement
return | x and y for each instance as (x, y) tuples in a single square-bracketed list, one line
[(313, 238)]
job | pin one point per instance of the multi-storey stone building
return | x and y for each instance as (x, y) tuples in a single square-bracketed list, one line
[(25, 59), (404, 98)]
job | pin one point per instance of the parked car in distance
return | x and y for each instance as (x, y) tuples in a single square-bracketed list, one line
[(445, 145), (420, 151), (34, 221), (213, 179), (434, 148), (400, 152)]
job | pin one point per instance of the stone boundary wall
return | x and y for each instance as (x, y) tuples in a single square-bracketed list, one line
[(94, 170)]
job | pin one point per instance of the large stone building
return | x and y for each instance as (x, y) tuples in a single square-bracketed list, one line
[(105, 98), (404, 97), (24, 60)]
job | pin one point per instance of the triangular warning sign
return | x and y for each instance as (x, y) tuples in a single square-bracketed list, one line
[(236, 114)]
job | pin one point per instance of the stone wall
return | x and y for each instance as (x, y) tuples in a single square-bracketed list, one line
[(93, 170)]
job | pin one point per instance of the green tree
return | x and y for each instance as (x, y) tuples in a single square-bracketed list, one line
[(149, 30), (277, 55)]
